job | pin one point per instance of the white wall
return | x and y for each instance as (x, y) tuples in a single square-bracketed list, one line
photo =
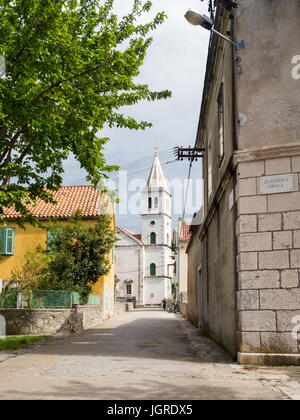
[(129, 262)]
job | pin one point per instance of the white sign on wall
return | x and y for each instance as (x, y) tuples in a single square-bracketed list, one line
[(275, 184)]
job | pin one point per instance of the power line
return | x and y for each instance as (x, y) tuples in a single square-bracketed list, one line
[(132, 172), (186, 196), (146, 157), (135, 165), (138, 271), (143, 161)]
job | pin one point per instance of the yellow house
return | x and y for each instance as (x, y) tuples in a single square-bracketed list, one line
[(16, 242)]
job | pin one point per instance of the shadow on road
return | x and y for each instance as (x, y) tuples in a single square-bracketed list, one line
[(144, 333)]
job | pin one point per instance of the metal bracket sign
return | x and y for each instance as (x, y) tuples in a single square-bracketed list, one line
[(190, 153)]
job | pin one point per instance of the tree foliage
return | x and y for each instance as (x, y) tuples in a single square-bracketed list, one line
[(79, 255), (34, 271), (71, 65)]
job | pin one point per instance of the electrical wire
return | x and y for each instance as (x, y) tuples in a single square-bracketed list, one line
[(136, 166), (132, 172), (186, 196), (138, 271), (145, 159)]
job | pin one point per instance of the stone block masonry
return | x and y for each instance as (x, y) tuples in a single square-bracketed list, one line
[(56, 321), (268, 260)]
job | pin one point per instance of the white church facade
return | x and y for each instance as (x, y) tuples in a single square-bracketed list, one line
[(144, 264)]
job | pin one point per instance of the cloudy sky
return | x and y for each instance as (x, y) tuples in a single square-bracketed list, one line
[(176, 61)]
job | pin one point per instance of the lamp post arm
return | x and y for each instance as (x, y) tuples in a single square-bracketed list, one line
[(239, 44)]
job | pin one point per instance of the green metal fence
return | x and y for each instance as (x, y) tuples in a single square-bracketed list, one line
[(47, 299), (9, 299), (50, 299)]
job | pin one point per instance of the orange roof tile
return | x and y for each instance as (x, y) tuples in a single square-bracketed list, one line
[(69, 199)]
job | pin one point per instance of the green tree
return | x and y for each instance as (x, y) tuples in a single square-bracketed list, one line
[(33, 272), (71, 65), (79, 256)]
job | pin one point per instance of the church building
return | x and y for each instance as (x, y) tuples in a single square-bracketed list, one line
[(144, 264)]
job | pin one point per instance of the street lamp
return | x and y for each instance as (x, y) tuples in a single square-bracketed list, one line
[(198, 20)]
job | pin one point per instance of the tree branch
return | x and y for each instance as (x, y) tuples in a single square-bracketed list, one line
[(9, 150)]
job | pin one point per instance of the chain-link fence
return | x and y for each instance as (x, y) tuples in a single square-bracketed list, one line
[(43, 299)]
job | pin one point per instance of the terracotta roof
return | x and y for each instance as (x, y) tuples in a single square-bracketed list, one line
[(185, 232), (134, 235), (69, 199)]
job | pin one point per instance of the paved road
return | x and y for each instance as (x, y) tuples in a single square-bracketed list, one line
[(144, 354)]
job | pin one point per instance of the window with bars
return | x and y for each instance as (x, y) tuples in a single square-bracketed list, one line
[(128, 289), (7, 241)]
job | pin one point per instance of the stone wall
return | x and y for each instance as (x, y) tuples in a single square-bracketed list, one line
[(56, 321), (268, 230), (184, 309)]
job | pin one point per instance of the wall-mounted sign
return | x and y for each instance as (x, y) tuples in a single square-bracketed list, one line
[(275, 184)]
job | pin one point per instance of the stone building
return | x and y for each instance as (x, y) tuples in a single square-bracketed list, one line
[(130, 257), (181, 236), (16, 242), (244, 259), (144, 262)]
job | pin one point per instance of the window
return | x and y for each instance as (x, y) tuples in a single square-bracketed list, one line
[(149, 203), (128, 289), (152, 223), (112, 255), (152, 270), (221, 123), (156, 202), (209, 170), (153, 238), (7, 241), (50, 239)]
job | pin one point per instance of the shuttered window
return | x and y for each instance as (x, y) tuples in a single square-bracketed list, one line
[(153, 238), (221, 122), (50, 239), (152, 270), (7, 241), (112, 255)]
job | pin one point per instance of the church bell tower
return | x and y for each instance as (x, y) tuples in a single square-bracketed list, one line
[(156, 235)]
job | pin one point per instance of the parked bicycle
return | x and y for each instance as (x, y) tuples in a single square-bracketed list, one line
[(174, 308)]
